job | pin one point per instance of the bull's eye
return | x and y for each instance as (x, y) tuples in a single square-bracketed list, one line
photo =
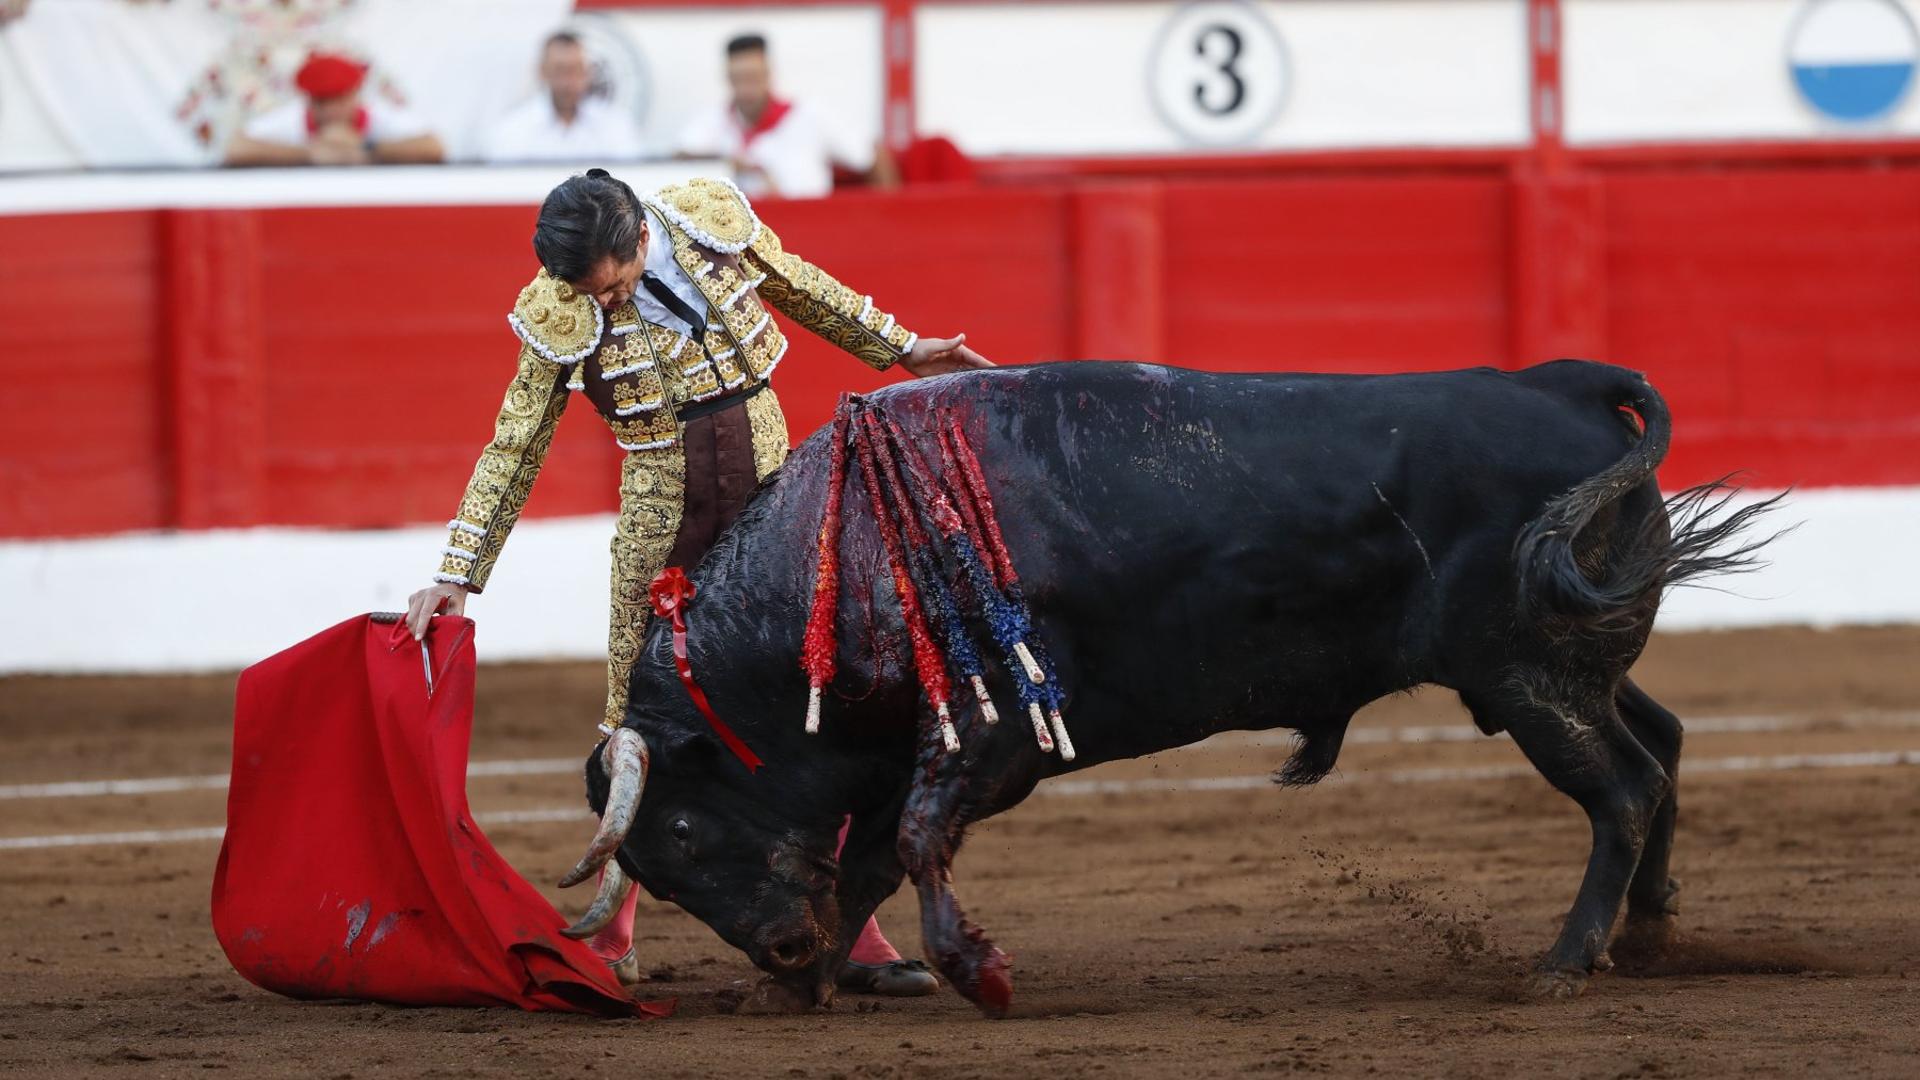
[(681, 830)]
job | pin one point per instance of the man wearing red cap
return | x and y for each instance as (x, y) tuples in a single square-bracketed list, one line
[(334, 125)]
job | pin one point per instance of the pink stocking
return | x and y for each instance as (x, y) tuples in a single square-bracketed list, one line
[(613, 942), (872, 946)]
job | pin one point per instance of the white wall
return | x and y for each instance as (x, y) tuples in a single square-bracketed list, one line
[(393, 185), (214, 600), (1081, 78), (825, 55), (28, 137), (1047, 78), (1662, 70)]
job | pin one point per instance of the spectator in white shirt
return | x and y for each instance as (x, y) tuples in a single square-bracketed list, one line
[(333, 124), (777, 148), (566, 121)]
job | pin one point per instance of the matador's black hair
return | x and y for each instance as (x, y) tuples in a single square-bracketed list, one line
[(584, 220)]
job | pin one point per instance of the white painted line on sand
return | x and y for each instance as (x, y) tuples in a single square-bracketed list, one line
[(1742, 763), (215, 832), (1366, 736), (141, 836), (529, 766), (1705, 725), (542, 816), (86, 789), (162, 785), (1080, 788)]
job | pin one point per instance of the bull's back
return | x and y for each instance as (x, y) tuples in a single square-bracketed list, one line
[(1105, 471), (1215, 550), (1213, 546)]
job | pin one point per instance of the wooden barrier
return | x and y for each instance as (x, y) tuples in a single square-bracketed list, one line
[(341, 366)]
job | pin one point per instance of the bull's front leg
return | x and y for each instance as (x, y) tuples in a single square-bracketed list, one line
[(932, 825)]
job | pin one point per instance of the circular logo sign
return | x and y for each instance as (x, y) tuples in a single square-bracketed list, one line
[(1218, 73), (619, 71), (1853, 60)]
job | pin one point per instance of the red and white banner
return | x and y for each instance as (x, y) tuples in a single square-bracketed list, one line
[(137, 84)]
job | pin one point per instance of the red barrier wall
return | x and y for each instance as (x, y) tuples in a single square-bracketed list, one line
[(85, 439), (340, 367), (1779, 312)]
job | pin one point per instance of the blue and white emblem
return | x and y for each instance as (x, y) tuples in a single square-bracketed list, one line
[(1853, 60)]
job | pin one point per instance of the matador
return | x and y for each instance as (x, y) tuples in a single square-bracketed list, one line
[(660, 310)]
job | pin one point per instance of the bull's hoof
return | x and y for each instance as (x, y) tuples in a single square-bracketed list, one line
[(1643, 940), (986, 978), (994, 994), (1667, 903), (1547, 985)]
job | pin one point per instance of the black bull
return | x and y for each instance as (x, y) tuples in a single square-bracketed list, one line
[(1203, 553)]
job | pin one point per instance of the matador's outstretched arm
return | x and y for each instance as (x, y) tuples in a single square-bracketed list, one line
[(813, 298)]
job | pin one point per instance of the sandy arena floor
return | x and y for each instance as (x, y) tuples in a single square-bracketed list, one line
[(1376, 924)]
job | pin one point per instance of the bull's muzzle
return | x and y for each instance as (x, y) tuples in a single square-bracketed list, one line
[(790, 954)]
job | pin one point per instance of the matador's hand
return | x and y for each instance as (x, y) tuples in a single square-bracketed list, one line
[(442, 598), (939, 356)]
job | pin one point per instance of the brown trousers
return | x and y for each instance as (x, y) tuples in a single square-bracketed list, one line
[(720, 476), (674, 504)]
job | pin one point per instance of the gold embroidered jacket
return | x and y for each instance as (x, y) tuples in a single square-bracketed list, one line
[(638, 373)]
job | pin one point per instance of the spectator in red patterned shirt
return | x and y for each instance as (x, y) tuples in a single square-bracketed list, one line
[(333, 124)]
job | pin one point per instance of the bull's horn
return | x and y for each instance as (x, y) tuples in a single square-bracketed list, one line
[(626, 760), (614, 887)]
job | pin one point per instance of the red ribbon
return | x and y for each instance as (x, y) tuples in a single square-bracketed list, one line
[(671, 592)]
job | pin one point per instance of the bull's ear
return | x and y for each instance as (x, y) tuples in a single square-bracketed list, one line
[(694, 750), (596, 777)]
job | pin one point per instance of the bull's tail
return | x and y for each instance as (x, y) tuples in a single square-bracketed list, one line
[(1593, 582)]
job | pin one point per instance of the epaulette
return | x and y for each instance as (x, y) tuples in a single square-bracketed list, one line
[(554, 318), (714, 213)]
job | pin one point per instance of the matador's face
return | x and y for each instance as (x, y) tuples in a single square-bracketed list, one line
[(612, 282)]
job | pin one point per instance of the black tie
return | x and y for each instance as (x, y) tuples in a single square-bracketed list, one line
[(683, 311)]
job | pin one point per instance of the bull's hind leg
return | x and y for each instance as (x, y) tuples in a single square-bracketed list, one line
[(1574, 736), (1653, 896)]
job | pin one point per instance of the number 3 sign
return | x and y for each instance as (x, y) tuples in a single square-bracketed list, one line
[(1218, 73)]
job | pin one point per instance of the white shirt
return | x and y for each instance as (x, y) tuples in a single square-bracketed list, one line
[(533, 131), (661, 264), (386, 122), (797, 154)]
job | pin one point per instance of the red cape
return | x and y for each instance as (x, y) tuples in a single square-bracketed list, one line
[(352, 867)]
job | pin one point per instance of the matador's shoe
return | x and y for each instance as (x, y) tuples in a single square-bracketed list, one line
[(627, 969), (898, 978)]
